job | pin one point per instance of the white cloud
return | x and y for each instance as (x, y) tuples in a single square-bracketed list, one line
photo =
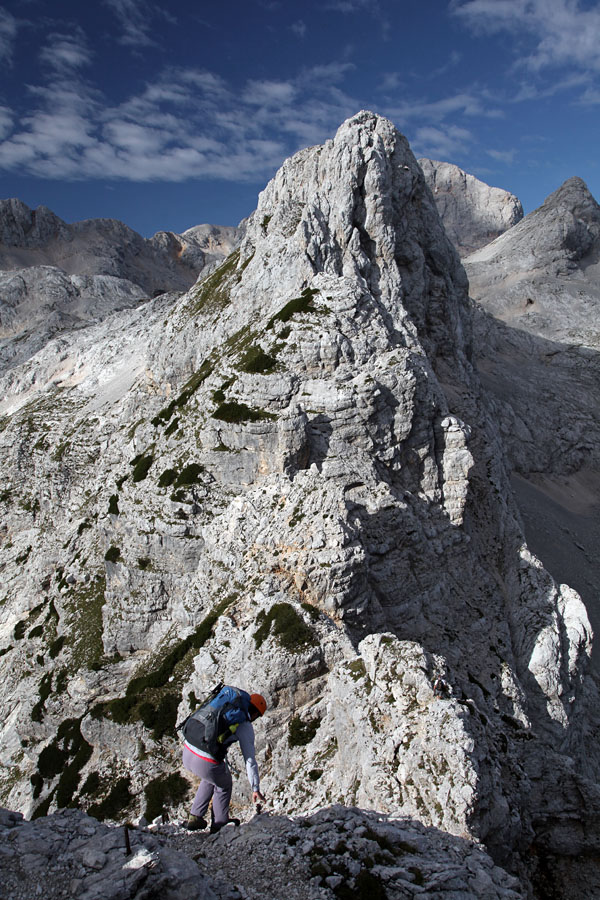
[(563, 31), (6, 121), (8, 33), (65, 52), (466, 104), (299, 28), (441, 142), (135, 18), (187, 123), (590, 97), (390, 82), (268, 93), (503, 156)]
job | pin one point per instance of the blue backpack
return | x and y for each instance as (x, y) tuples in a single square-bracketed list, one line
[(212, 726)]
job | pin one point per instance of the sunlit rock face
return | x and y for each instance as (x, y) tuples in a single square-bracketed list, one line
[(56, 277), (473, 213), (537, 289), (288, 479)]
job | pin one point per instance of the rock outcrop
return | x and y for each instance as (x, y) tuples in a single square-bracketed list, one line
[(56, 277), (472, 212), (289, 479), (337, 853), (538, 346), (543, 276), (73, 855)]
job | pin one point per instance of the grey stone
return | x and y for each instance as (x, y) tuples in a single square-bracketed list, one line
[(347, 469), (473, 213)]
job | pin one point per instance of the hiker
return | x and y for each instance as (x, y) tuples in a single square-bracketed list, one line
[(225, 718), (441, 688)]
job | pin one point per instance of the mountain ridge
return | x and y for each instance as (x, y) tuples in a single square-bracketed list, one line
[(305, 430)]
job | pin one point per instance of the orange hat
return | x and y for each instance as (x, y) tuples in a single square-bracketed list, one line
[(259, 703)]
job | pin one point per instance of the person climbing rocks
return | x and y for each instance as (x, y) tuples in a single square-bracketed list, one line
[(441, 688), (224, 719)]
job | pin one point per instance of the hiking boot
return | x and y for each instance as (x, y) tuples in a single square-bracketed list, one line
[(194, 823), (216, 826)]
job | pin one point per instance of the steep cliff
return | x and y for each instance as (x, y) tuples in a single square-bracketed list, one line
[(288, 479), (537, 339), (473, 213)]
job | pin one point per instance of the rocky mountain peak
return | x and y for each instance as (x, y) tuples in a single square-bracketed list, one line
[(21, 226), (575, 195), (56, 277), (554, 254), (473, 213), (288, 479)]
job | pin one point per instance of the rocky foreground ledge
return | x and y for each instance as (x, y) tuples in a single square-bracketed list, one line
[(338, 853)]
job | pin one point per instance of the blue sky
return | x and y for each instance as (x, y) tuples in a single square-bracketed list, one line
[(167, 115)]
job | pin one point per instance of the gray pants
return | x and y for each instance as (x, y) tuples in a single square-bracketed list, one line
[(215, 783)]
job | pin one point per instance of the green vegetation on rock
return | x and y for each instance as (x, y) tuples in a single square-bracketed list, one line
[(301, 733), (153, 697), (117, 800), (167, 478), (190, 387), (83, 621), (288, 627), (214, 292), (44, 689), (162, 791), (112, 554), (189, 475), (141, 466), (292, 307), (238, 412), (66, 756), (255, 360)]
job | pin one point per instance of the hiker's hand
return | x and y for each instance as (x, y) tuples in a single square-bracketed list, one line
[(256, 796)]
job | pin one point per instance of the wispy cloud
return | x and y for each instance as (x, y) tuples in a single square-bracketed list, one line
[(190, 123), (590, 97), (65, 52), (136, 20), (6, 121), (187, 123), (462, 103), (269, 93), (502, 156), (564, 33), (443, 142), (8, 33), (299, 28)]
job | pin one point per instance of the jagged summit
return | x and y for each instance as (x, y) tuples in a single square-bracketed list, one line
[(56, 277), (99, 247), (544, 273), (472, 212), (289, 478)]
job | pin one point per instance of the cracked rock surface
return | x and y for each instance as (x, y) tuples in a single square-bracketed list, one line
[(290, 479)]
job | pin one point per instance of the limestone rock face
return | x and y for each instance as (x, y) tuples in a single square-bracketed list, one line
[(544, 275), (55, 276), (538, 342), (289, 479), (473, 213)]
